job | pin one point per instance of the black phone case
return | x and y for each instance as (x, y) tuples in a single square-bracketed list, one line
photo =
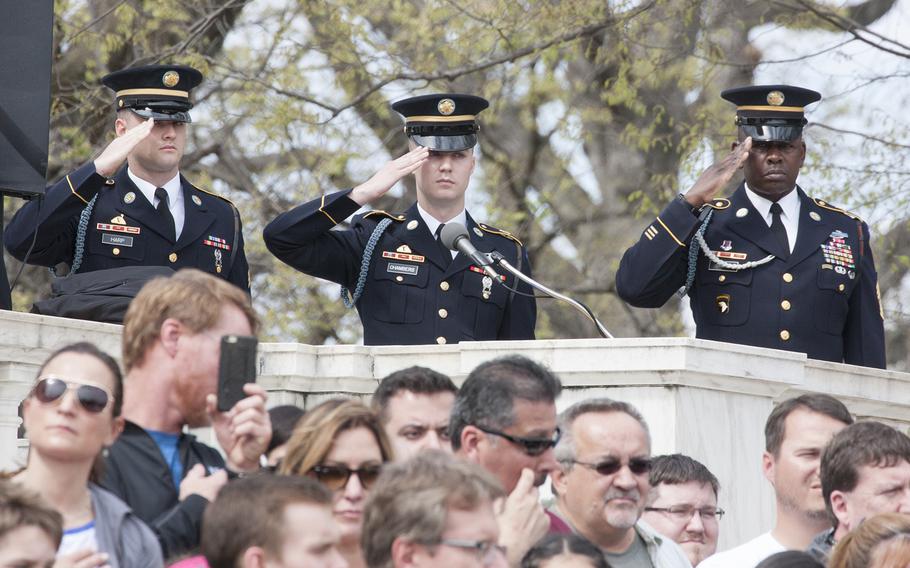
[(236, 367)]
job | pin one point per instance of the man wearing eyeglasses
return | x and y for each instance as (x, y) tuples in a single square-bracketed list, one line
[(602, 484), (682, 504), (504, 419), (433, 511)]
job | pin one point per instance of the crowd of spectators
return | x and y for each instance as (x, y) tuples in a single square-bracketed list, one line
[(427, 475)]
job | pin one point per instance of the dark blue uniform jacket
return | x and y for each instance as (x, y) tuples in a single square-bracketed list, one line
[(125, 230), (413, 294), (821, 300)]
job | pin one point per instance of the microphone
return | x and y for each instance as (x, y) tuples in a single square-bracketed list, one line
[(455, 237)]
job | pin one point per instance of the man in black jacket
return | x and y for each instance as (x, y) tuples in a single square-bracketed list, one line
[(171, 346)]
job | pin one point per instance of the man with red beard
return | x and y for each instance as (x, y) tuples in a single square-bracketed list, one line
[(796, 433), (171, 346), (602, 484)]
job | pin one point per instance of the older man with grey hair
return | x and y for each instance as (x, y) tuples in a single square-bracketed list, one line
[(602, 483)]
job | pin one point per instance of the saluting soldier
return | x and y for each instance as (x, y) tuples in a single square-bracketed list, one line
[(102, 216), (768, 266), (407, 286)]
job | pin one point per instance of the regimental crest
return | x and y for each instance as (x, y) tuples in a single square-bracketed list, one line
[(446, 107), (775, 98), (726, 245), (170, 79)]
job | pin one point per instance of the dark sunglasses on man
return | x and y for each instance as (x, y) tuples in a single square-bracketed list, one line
[(50, 390), (531, 446)]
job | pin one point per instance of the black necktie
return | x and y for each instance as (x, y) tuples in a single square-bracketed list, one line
[(777, 227), (446, 252), (164, 211)]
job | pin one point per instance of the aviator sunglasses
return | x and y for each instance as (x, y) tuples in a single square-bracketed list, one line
[(51, 390), (336, 477)]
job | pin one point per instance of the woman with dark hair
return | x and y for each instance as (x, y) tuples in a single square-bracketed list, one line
[(564, 551), (342, 444), (71, 414)]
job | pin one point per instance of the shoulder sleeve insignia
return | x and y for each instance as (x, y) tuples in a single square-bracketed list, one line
[(380, 213), (719, 203), (825, 205), (494, 231)]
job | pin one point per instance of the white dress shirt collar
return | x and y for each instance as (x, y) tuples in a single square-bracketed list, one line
[(790, 207), (433, 223), (174, 196)]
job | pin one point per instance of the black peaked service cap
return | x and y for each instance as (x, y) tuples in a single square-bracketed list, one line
[(771, 113), (445, 122), (161, 92)]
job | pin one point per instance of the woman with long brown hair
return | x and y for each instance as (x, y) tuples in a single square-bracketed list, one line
[(342, 444)]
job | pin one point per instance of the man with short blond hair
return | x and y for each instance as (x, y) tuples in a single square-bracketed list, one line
[(432, 511), (171, 346)]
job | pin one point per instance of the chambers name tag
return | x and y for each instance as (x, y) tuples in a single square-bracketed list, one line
[(408, 269), (118, 240)]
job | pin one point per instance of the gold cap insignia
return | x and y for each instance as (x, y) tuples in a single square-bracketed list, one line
[(775, 98), (170, 79), (120, 103), (446, 107), (404, 248), (118, 220)]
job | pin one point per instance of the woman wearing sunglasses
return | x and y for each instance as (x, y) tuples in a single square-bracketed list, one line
[(342, 444), (71, 414)]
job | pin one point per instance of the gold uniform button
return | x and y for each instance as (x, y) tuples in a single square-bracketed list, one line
[(788, 277), (785, 335), (443, 313), (116, 251), (721, 278), (785, 305), (172, 257), (441, 340), (444, 286), (841, 287), (399, 279)]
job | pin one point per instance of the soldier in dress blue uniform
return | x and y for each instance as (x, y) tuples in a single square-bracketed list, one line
[(768, 266), (407, 287), (145, 213)]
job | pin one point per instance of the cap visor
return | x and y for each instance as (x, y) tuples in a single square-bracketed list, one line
[(163, 116), (446, 143), (766, 133)]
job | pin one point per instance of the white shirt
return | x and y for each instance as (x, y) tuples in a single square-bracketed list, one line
[(746, 555), (78, 538), (789, 205), (174, 197), (433, 223)]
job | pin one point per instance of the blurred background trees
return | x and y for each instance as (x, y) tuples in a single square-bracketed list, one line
[(600, 113)]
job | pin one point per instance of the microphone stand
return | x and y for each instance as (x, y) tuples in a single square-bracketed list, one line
[(501, 261)]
